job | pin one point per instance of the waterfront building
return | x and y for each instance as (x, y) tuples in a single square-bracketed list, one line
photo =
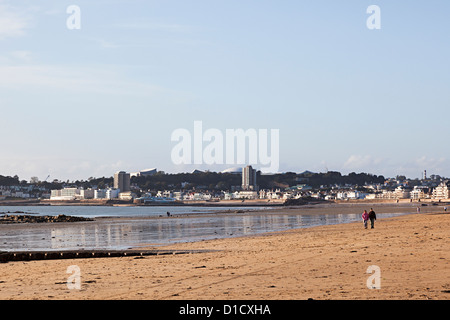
[(122, 181), (249, 178), (100, 194), (386, 194), (401, 193), (106, 194), (87, 193), (54, 194), (65, 194), (350, 195), (178, 195), (112, 193), (126, 196), (271, 194), (228, 196), (442, 191), (418, 193), (247, 194)]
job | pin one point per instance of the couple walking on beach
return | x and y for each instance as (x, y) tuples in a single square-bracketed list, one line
[(369, 216)]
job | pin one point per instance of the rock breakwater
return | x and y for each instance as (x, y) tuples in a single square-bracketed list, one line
[(21, 218)]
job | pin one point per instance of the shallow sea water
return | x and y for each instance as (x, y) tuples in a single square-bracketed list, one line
[(144, 226)]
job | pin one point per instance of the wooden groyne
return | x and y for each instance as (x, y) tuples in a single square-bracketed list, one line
[(84, 254)]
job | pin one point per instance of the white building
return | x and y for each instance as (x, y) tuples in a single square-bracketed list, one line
[(178, 195), (126, 195), (165, 194), (87, 193), (385, 194), (246, 194), (106, 194), (100, 194), (441, 191), (228, 196), (417, 193), (401, 193), (330, 197), (112, 193), (270, 194), (72, 194), (351, 195), (65, 194)]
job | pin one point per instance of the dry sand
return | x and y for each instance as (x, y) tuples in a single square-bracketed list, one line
[(327, 262)]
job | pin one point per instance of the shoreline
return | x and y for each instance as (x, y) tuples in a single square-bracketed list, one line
[(221, 203), (244, 208)]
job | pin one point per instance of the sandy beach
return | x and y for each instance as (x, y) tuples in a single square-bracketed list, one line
[(411, 253)]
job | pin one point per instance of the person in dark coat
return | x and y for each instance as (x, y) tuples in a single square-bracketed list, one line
[(372, 217)]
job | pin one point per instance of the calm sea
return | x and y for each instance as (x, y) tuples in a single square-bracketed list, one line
[(134, 229)]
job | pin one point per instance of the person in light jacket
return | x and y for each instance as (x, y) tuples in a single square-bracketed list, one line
[(365, 217)]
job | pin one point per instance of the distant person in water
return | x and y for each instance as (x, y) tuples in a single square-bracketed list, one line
[(168, 213), (365, 217), (372, 217)]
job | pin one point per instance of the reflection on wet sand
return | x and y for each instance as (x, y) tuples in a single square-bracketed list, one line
[(127, 233)]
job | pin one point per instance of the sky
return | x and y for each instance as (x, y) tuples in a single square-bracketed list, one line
[(91, 94)]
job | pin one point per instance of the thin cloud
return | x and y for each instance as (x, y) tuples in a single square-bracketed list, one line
[(12, 23), (22, 55), (74, 79), (432, 165), (157, 26), (360, 161), (432, 162)]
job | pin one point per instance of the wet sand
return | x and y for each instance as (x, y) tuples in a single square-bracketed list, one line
[(326, 262)]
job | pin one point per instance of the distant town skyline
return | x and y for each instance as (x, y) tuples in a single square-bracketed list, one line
[(243, 171), (85, 94)]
